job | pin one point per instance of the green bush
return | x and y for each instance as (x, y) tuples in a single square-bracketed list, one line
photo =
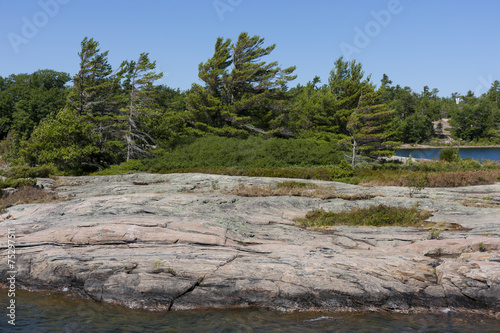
[(130, 166), (16, 182), (25, 171), (254, 152), (449, 155), (342, 170), (376, 216)]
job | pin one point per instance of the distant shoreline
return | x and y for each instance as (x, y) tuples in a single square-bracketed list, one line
[(407, 146)]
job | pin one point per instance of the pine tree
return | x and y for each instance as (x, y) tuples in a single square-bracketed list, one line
[(367, 127), (348, 85), (242, 93), (95, 97), (139, 83)]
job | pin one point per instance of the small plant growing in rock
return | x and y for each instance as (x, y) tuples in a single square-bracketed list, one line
[(482, 247), (434, 234), (158, 264), (215, 185), (415, 183)]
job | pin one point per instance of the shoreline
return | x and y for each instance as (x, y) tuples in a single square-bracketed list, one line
[(408, 146), (180, 242), (77, 295)]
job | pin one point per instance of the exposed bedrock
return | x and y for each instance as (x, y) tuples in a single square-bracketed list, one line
[(180, 241)]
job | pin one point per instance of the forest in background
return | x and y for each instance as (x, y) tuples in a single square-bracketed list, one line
[(245, 114)]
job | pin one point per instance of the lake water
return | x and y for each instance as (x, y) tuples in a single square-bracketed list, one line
[(430, 153), (38, 312)]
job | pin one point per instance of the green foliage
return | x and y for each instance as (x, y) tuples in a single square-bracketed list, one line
[(17, 182), (26, 99), (449, 155), (434, 234), (415, 182), (348, 84), (375, 216), (314, 112), (416, 128), (472, 121), (481, 247), (254, 152), (139, 104), (367, 128), (25, 171), (109, 116), (242, 93), (67, 141), (342, 170)]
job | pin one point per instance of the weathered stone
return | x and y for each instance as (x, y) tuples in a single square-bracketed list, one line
[(173, 242), (8, 191)]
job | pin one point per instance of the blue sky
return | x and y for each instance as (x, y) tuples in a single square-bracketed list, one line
[(449, 45)]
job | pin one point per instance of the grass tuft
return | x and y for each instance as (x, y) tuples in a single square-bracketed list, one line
[(376, 216), (296, 189)]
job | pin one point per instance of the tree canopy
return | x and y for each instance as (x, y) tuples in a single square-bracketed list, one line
[(242, 92), (106, 115)]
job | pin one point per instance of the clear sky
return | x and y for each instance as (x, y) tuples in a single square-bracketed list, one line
[(449, 45)]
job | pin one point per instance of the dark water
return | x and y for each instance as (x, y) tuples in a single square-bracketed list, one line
[(492, 154), (37, 312)]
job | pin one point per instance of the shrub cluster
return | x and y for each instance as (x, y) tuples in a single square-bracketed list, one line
[(25, 171), (449, 155), (304, 159), (16, 182), (251, 153), (302, 173), (377, 216)]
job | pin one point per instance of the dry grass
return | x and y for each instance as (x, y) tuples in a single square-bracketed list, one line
[(436, 179), (480, 203), (150, 183), (356, 196), (25, 195), (295, 189), (65, 182)]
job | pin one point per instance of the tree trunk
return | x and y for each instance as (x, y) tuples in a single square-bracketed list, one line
[(353, 151)]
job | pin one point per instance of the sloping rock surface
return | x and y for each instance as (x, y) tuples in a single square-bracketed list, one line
[(179, 241)]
